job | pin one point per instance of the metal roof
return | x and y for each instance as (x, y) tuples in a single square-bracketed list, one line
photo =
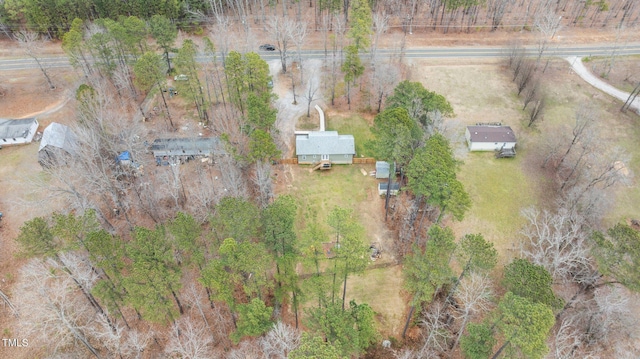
[(325, 143), (491, 134), (60, 136), (16, 128), (197, 146)]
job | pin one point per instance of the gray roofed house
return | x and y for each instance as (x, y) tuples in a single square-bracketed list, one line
[(186, 147), (317, 146), (57, 142), (16, 132), (490, 138)]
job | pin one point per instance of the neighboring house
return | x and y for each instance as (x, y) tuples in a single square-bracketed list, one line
[(17, 132), (317, 146), (165, 149), (490, 138), (57, 143)]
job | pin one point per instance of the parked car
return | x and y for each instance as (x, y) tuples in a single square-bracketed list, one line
[(267, 47), (181, 77)]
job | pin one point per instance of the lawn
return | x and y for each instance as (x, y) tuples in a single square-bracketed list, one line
[(381, 288), (318, 192), (352, 125)]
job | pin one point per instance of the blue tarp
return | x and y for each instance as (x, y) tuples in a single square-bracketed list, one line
[(124, 156)]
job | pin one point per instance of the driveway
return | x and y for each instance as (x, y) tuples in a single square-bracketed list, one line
[(595, 81)]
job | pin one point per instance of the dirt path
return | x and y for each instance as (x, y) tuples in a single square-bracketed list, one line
[(53, 108), (595, 81)]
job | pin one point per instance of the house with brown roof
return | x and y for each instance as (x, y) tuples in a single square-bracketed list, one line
[(490, 138)]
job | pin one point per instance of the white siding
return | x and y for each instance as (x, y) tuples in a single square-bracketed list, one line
[(490, 146)]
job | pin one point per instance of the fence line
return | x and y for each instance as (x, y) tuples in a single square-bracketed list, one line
[(294, 161), (368, 160)]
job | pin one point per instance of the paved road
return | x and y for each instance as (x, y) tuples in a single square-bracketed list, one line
[(595, 81), (419, 53)]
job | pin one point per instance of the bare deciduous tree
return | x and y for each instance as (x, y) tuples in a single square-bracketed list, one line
[(189, 340), (536, 112), (474, 296), (247, 349), (279, 341), (582, 130), (32, 44), (298, 34), (310, 92), (558, 242), (280, 29), (380, 26), (50, 308), (264, 183), (383, 80), (232, 178), (437, 333)]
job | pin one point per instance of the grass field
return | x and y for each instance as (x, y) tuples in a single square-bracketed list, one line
[(499, 189), (381, 288), (352, 125), (318, 192)]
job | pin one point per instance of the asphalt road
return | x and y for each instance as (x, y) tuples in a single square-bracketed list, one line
[(417, 53)]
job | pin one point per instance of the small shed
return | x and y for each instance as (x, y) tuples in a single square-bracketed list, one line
[(316, 146), (57, 143), (17, 132), (383, 169), (382, 188), (490, 138)]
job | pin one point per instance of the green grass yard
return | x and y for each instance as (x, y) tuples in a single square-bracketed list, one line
[(352, 125)]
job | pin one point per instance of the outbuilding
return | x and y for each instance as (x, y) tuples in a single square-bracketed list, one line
[(490, 138), (167, 150), (316, 146), (382, 188), (17, 132), (58, 142)]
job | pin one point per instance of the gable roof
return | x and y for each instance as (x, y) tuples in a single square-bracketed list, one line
[(325, 143), (16, 128), (60, 136), (491, 134)]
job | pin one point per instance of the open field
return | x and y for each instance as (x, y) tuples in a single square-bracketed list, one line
[(482, 92)]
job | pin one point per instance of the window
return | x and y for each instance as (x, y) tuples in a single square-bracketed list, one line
[(304, 157)]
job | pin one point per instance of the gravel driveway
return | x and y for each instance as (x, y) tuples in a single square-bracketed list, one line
[(595, 81)]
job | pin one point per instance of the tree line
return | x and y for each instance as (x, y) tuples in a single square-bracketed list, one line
[(54, 18)]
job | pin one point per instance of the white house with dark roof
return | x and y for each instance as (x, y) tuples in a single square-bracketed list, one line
[(490, 138), (17, 132), (316, 146)]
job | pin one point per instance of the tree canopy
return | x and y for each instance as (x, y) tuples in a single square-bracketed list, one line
[(418, 101), (530, 281), (618, 255), (432, 174), (396, 136)]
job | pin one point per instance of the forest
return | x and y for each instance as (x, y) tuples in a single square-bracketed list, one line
[(220, 259), (54, 18)]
